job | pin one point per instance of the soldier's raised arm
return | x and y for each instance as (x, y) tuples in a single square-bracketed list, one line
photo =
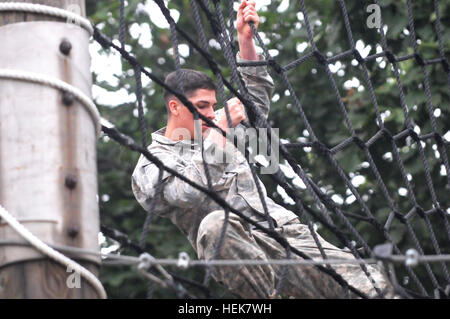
[(256, 78)]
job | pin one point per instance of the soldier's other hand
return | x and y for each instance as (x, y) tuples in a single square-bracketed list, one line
[(237, 113)]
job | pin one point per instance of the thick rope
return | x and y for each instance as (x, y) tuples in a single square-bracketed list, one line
[(57, 84), (51, 253), (48, 10)]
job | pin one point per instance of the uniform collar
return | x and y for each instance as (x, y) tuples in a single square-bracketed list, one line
[(158, 136)]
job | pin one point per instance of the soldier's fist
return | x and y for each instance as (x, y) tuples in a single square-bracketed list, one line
[(237, 113), (246, 13)]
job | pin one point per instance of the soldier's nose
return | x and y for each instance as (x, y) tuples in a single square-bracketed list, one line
[(211, 114)]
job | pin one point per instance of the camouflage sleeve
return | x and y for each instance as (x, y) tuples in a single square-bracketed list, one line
[(259, 84), (175, 192)]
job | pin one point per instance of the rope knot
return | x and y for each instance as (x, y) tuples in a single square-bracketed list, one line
[(400, 217), (145, 261), (419, 59), (321, 148), (414, 135), (275, 65), (358, 56), (419, 211), (320, 57), (438, 138), (359, 142), (387, 134), (390, 56), (445, 65)]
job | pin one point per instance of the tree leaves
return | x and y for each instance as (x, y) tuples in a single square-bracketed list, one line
[(284, 31)]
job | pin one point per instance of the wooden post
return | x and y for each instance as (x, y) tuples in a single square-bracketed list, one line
[(48, 172)]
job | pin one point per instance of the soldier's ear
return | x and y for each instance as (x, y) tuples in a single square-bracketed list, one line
[(174, 106)]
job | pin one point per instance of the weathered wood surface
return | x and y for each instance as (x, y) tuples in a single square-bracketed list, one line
[(42, 279), (24, 273)]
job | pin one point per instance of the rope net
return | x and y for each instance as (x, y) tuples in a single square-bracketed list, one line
[(422, 218)]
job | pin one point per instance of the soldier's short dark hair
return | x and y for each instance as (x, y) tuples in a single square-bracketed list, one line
[(191, 80)]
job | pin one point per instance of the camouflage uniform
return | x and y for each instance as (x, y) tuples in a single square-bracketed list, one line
[(201, 219)]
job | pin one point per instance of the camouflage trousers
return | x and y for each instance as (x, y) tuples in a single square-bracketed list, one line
[(260, 281)]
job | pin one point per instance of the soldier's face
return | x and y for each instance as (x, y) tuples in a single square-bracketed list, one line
[(205, 102)]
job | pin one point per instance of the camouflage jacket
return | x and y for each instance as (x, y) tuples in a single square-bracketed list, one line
[(233, 181)]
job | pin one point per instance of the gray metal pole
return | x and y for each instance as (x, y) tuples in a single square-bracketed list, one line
[(48, 173)]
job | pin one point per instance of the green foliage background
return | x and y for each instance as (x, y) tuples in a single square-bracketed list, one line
[(284, 31)]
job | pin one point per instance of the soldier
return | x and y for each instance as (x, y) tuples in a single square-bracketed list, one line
[(201, 219)]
